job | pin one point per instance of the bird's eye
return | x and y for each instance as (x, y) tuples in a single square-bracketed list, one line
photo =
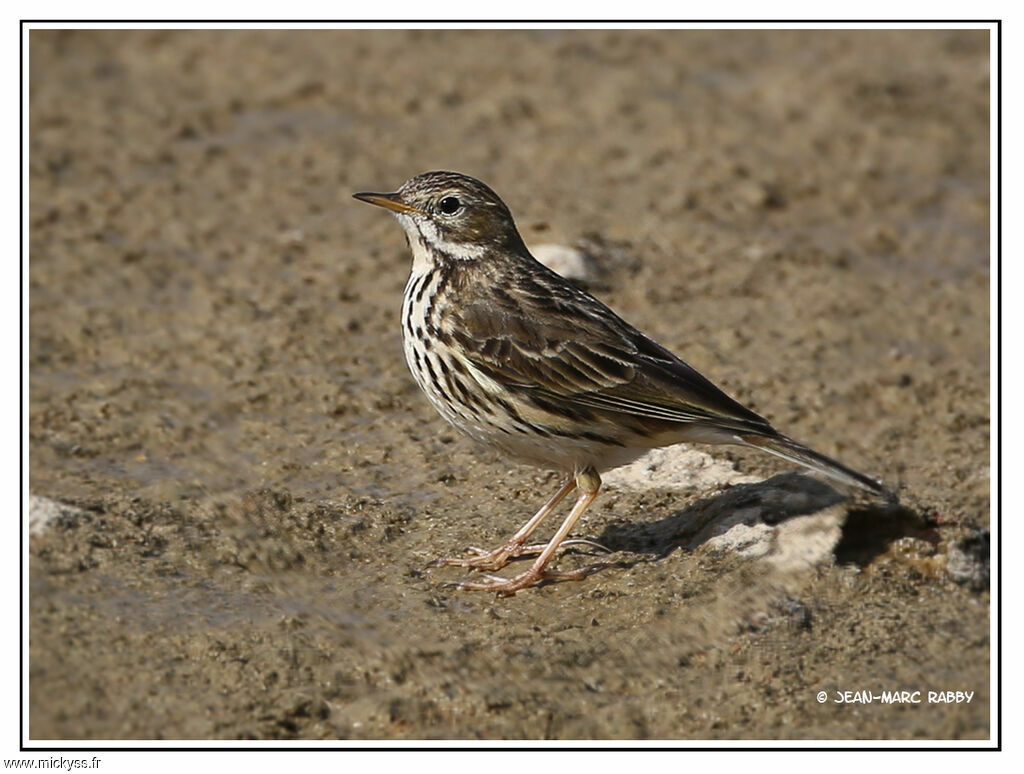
[(449, 205)]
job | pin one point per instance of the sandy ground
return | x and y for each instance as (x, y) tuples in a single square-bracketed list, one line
[(217, 384)]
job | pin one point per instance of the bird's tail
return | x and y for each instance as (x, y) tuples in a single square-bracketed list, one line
[(789, 449)]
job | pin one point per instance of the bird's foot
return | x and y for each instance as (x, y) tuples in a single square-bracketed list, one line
[(486, 560), (499, 557), (507, 587)]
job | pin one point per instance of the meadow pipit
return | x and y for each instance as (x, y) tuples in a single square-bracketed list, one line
[(523, 361)]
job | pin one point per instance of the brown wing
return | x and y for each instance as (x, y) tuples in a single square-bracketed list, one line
[(554, 340)]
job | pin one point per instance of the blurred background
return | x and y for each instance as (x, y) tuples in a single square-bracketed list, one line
[(217, 387)]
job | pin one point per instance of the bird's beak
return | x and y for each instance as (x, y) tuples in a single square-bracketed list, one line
[(389, 201)]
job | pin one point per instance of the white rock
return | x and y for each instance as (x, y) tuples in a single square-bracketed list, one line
[(790, 521), (42, 512), (748, 540), (676, 467), (570, 262)]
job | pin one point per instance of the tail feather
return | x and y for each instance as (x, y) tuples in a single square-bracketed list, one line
[(789, 449)]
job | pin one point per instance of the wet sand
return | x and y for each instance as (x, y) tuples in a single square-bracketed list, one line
[(217, 385)]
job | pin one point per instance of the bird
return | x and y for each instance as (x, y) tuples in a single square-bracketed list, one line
[(526, 362)]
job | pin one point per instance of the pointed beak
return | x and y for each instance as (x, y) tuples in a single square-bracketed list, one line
[(389, 201)]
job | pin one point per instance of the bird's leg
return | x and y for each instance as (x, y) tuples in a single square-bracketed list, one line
[(589, 483), (498, 558)]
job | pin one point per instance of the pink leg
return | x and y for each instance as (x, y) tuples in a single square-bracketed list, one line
[(589, 483), (498, 558)]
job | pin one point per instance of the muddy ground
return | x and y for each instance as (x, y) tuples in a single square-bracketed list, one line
[(217, 383)]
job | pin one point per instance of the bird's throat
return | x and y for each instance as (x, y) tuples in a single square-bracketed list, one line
[(431, 248)]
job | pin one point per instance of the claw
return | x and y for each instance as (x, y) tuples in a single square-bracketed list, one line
[(588, 482), (499, 557), (585, 542), (507, 587), (484, 560)]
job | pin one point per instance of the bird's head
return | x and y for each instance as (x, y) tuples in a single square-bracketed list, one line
[(451, 213)]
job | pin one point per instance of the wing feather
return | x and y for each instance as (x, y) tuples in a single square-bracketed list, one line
[(563, 345)]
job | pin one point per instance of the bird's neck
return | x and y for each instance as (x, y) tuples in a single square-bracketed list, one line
[(430, 249)]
